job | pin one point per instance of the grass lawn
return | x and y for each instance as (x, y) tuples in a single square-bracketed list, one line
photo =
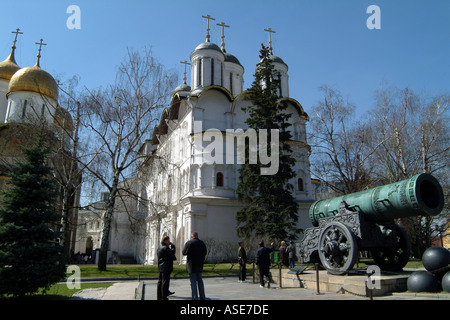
[(62, 292), (134, 271)]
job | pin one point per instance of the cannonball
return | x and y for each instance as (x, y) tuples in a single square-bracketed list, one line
[(446, 282), (435, 258), (422, 281)]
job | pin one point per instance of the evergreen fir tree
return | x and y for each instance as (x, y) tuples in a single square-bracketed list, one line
[(29, 251), (269, 207)]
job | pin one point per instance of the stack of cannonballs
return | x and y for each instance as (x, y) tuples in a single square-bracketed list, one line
[(436, 261)]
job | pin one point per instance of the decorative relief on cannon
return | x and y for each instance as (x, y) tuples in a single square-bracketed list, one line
[(365, 221)]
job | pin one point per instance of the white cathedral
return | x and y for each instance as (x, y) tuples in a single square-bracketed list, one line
[(180, 191)]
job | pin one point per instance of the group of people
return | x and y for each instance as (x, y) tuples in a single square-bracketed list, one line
[(195, 250), (263, 261)]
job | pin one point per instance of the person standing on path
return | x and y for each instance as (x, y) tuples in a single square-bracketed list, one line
[(283, 254), (166, 256), (263, 262), (242, 259), (291, 254), (195, 250)]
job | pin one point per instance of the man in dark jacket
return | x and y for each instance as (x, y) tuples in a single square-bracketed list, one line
[(263, 262), (242, 258), (166, 255), (195, 250)]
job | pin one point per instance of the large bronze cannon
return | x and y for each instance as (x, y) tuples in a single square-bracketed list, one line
[(365, 221)]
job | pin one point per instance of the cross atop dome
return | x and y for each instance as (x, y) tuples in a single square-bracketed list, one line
[(13, 47), (208, 17), (185, 65), (41, 43), (223, 25), (17, 32), (270, 31)]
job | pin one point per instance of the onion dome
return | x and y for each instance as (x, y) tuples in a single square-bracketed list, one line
[(207, 46), (8, 67), (34, 79), (183, 89), (276, 59), (230, 58)]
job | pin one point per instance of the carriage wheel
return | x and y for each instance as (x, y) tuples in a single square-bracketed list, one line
[(396, 257), (337, 248)]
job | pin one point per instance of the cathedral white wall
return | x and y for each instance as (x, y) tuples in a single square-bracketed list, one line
[(283, 70), (29, 106), (205, 68), (236, 85), (3, 100), (215, 105)]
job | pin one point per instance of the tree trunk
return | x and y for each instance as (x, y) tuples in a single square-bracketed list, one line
[(102, 259)]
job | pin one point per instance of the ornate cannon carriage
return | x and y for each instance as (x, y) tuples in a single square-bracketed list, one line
[(365, 221)]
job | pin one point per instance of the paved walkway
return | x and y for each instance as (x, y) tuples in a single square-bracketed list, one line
[(228, 288), (118, 291)]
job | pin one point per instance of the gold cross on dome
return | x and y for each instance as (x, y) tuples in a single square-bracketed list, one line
[(41, 43), (15, 38), (223, 25), (185, 64), (208, 17), (270, 31)]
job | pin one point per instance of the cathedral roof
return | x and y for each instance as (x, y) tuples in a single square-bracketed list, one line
[(230, 58), (276, 59), (34, 79), (208, 45), (8, 67), (182, 89)]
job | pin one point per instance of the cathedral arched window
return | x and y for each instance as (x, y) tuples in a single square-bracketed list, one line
[(231, 82), (212, 71), (24, 110), (199, 68), (219, 179), (300, 184)]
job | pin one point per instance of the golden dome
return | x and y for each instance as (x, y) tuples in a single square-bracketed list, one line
[(8, 67), (34, 79)]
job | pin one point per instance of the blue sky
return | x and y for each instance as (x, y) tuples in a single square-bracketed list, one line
[(322, 41)]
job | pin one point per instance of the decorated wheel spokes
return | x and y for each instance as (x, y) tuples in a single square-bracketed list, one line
[(337, 248), (396, 257)]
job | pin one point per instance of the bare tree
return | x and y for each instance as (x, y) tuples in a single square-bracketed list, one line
[(118, 120), (339, 144), (413, 134), (67, 171)]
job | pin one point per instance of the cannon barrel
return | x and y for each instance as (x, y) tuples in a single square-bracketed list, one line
[(420, 195)]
